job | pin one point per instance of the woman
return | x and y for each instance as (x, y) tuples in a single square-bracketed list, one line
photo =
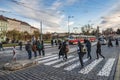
[(98, 51), (34, 48)]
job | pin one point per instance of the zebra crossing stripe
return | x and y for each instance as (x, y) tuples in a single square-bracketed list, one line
[(105, 71), (46, 60), (48, 56), (71, 67), (62, 64), (53, 62), (88, 68)]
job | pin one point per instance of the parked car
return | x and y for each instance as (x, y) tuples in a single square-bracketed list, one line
[(103, 41)]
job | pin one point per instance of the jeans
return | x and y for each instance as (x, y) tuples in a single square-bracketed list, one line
[(29, 54)]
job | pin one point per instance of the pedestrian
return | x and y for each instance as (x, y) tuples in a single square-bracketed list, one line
[(28, 48), (60, 45), (14, 54), (43, 48), (56, 42), (39, 47), (110, 43), (88, 45), (65, 49), (52, 43), (98, 50), (1, 46), (61, 52), (20, 44), (81, 52), (34, 48), (116, 42)]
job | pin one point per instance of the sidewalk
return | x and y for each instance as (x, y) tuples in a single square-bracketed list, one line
[(117, 73)]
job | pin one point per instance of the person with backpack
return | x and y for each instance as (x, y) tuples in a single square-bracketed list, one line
[(88, 45), (98, 51), (39, 47), (81, 52)]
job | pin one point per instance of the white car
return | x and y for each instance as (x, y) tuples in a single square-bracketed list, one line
[(103, 41)]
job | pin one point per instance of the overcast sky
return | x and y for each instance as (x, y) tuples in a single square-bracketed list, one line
[(54, 13)]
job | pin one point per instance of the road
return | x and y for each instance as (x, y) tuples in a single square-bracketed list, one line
[(52, 68)]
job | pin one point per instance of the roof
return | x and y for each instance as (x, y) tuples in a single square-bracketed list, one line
[(3, 18), (25, 23)]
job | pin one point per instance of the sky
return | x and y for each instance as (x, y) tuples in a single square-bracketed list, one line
[(55, 15)]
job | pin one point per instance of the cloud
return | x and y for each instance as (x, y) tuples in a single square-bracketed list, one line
[(112, 19)]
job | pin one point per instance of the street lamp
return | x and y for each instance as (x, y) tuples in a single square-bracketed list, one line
[(41, 37), (68, 25)]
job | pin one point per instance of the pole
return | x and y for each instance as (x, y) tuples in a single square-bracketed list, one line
[(41, 30), (68, 27)]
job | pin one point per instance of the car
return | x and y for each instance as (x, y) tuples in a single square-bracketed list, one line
[(103, 41)]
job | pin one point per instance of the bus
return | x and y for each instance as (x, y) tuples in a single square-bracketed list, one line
[(73, 39)]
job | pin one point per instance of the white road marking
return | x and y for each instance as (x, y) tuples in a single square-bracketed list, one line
[(48, 56), (62, 64), (88, 68), (46, 60), (58, 60), (105, 71), (71, 67)]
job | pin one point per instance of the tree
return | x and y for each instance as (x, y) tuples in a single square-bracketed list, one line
[(36, 34), (12, 35), (47, 36), (118, 31), (86, 29)]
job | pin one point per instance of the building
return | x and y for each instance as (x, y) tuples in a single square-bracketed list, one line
[(3, 27), (25, 27), (9, 24), (32, 29), (13, 24)]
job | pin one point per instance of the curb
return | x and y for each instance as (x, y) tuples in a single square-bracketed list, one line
[(18, 65), (117, 73)]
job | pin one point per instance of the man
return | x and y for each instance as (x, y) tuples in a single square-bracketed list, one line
[(28, 48), (80, 53), (88, 45)]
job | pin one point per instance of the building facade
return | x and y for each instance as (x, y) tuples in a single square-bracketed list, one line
[(9, 24), (3, 27)]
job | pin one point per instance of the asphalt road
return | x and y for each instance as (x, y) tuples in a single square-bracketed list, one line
[(52, 68)]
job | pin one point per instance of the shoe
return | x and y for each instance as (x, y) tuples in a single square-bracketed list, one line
[(97, 58)]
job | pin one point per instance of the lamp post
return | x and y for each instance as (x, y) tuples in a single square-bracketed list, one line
[(41, 37), (69, 25)]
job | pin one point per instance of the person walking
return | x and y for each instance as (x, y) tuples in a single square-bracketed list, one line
[(14, 54), (28, 48), (116, 42), (20, 44), (43, 49), (34, 48), (1, 46), (52, 43), (88, 45), (98, 50), (65, 49), (81, 53), (110, 43)]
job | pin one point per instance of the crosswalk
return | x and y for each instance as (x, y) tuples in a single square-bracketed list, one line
[(73, 63)]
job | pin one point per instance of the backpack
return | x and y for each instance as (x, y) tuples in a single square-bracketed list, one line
[(83, 48), (39, 46)]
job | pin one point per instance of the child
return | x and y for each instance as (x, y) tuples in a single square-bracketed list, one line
[(14, 53)]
